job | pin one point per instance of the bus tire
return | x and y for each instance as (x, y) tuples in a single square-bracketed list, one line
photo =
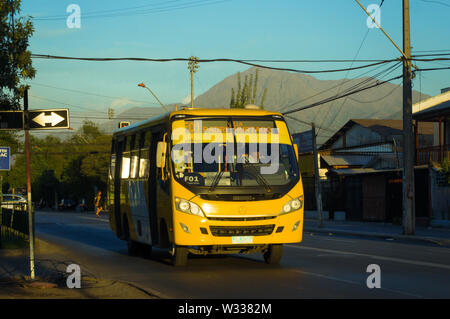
[(133, 247), (146, 250), (179, 255), (273, 254)]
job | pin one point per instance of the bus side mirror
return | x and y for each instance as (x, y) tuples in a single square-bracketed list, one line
[(161, 154), (296, 151)]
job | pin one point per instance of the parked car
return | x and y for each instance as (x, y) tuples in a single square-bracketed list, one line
[(67, 204), (14, 201)]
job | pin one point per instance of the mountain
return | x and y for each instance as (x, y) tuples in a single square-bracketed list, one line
[(286, 91)]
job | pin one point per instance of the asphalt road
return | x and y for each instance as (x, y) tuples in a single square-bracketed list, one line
[(322, 266)]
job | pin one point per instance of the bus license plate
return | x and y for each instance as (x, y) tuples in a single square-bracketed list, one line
[(242, 239)]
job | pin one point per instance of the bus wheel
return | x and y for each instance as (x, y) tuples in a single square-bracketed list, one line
[(273, 254), (133, 247), (179, 255), (146, 250)]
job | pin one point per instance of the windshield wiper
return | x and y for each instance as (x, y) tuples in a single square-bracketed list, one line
[(216, 180), (259, 177)]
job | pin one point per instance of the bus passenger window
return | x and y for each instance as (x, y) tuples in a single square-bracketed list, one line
[(144, 164), (134, 156), (134, 164), (126, 160), (125, 166)]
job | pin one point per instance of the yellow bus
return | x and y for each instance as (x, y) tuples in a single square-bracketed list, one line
[(206, 181)]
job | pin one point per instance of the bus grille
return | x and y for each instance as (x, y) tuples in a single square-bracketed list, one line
[(228, 231), (241, 219)]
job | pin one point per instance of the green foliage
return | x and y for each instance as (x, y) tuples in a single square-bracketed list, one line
[(73, 168), (15, 59), (445, 168), (246, 94)]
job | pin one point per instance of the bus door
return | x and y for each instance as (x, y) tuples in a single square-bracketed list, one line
[(117, 182), (152, 198)]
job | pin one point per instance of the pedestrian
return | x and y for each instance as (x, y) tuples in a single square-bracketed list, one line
[(98, 204)]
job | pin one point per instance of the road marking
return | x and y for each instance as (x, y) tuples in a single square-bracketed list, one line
[(98, 219), (334, 239), (399, 260), (352, 282)]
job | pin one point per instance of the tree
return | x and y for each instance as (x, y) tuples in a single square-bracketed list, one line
[(246, 94), (15, 59)]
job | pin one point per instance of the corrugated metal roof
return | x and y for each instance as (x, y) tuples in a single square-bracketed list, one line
[(347, 160)]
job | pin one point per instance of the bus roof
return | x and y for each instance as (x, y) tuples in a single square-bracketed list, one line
[(194, 112)]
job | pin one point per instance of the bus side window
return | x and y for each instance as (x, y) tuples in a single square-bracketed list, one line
[(144, 163), (126, 159), (134, 156)]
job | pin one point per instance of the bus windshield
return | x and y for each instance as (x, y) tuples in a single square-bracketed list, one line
[(235, 153)]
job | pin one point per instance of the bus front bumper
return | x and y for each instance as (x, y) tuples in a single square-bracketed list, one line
[(190, 230)]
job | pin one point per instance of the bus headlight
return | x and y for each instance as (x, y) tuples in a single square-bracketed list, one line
[(292, 205), (188, 207)]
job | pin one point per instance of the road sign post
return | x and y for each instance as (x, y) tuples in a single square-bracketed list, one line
[(28, 169)]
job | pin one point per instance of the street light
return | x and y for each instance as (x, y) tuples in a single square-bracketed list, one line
[(142, 85)]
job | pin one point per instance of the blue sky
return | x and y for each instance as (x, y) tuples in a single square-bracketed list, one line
[(250, 29)]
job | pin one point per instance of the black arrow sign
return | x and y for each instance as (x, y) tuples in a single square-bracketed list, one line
[(48, 119)]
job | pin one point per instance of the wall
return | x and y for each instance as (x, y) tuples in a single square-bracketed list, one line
[(440, 196), (357, 135)]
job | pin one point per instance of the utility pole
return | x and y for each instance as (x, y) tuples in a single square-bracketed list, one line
[(28, 169), (192, 67), (316, 176), (408, 142), (110, 117), (408, 213)]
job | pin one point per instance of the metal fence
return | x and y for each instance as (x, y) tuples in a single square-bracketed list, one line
[(13, 222)]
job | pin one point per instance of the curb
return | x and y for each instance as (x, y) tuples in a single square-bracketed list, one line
[(439, 241)]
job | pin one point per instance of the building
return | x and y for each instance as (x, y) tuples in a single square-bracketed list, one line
[(360, 170), (435, 111)]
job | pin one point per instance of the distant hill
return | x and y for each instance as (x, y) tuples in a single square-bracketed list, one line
[(294, 89), (288, 90)]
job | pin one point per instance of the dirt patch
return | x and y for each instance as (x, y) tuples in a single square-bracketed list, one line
[(91, 288), (51, 283)]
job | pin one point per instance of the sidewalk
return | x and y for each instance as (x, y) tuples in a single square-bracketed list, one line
[(51, 275), (439, 236)]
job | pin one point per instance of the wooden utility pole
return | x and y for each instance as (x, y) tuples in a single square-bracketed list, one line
[(28, 169), (192, 67), (316, 176), (408, 141), (409, 217)]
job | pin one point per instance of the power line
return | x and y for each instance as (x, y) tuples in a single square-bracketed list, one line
[(378, 99), (433, 69), (437, 2), (161, 9), (359, 85), (335, 86), (86, 93), (341, 96), (356, 55), (246, 62)]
